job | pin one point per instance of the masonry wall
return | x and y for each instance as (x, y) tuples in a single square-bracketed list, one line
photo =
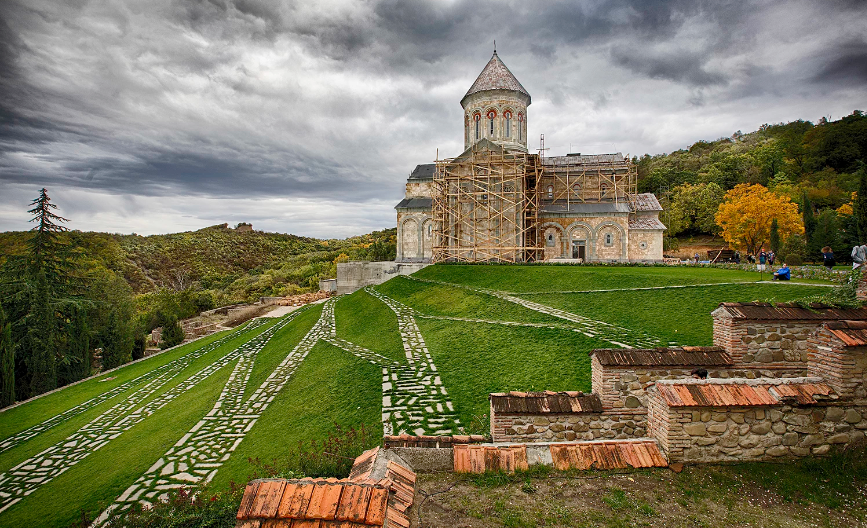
[(765, 345), (751, 434), (843, 368), (566, 427), (651, 240), (621, 388), (352, 276)]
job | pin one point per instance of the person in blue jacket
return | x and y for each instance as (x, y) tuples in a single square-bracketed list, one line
[(783, 273)]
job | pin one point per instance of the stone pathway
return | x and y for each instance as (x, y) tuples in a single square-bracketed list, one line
[(197, 456), (174, 365), (616, 335), (28, 476), (414, 398)]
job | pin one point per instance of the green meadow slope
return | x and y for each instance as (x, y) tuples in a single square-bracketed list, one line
[(486, 329)]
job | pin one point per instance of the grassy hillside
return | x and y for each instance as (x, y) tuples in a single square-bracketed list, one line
[(479, 339)]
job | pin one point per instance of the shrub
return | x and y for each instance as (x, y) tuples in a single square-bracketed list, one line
[(333, 457), (173, 334), (138, 347)]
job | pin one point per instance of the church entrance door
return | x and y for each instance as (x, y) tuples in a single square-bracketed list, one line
[(579, 249)]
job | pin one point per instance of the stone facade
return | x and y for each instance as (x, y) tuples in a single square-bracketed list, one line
[(584, 206), (736, 434), (764, 345), (567, 427)]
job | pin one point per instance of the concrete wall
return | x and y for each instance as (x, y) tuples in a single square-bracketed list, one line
[(352, 276)]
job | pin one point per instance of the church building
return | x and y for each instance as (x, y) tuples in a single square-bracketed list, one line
[(496, 202)]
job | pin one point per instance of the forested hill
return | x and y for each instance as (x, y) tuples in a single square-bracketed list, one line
[(821, 160), (233, 264)]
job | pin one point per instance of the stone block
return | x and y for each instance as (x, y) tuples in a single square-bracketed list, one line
[(841, 438), (852, 416), (557, 428), (695, 429), (761, 428), (790, 439), (776, 415), (797, 419), (705, 441), (834, 414), (705, 416), (754, 453), (760, 414), (729, 441), (749, 442), (800, 451), (777, 451), (743, 429), (822, 449), (719, 417), (570, 436), (718, 428), (765, 356), (778, 427), (737, 418), (812, 439)]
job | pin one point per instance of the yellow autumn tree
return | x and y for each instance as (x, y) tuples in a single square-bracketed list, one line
[(746, 214)]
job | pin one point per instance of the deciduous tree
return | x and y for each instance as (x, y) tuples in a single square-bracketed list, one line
[(746, 214)]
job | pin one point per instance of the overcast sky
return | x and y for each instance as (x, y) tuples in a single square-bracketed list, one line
[(155, 116)]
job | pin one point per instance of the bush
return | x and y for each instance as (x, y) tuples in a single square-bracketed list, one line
[(138, 347), (173, 334)]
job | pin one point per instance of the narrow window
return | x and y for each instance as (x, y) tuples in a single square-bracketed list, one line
[(491, 116), (550, 240), (604, 188), (576, 189), (508, 117), (608, 240), (477, 118), (520, 127), (429, 229), (550, 191)]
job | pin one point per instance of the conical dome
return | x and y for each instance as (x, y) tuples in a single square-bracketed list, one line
[(496, 76)]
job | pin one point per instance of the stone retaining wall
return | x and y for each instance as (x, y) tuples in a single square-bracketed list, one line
[(739, 434), (567, 427), (766, 345)]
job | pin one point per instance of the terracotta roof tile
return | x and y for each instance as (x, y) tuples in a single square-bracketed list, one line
[(247, 499), (363, 465), (478, 459), (282, 523), (375, 514), (852, 333), (544, 402), (740, 393), (766, 311), (675, 356), (249, 524), (615, 454)]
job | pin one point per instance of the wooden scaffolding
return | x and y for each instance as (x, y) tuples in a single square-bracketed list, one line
[(567, 180), (486, 207)]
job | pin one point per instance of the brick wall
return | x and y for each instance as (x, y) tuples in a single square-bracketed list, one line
[(566, 427), (843, 368)]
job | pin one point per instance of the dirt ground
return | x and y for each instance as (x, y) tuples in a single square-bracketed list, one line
[(688, 247), (699, 496)]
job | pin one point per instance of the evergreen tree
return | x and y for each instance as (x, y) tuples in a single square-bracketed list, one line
[(774, 238), (173, 334), (7, 362), (809, 218), (861, 205), (79, 347)]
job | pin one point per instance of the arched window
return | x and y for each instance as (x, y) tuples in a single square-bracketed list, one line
[(478, 118), (604, 187), (576, 189), (520, 126), (550, 191), (609, 240), (491, 116), (429, 229), (507, 116), (550, 239), (466, 128)]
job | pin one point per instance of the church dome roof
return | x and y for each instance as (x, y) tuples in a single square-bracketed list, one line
[(496, 76)]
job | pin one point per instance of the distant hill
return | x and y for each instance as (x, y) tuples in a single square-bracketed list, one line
[(236, 263)]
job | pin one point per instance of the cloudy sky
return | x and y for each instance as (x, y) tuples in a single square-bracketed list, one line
[(156, 116)]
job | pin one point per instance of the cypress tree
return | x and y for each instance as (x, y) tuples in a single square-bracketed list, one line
[(809, 218), (79, 349), (861, 206), (173, 334), (775, 236), (7, 362)]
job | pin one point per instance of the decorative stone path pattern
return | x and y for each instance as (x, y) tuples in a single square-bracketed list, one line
[(177, 364), (28, 476), (616, 335), (197, 456), (413, 396)]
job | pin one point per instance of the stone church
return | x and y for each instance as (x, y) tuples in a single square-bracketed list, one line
[(496, 202)]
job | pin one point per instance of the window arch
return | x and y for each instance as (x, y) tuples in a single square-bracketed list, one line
[(604, 188), (520, 126), (550, 191), (576, 189), (507, 117), (477, 117), (492, 115)]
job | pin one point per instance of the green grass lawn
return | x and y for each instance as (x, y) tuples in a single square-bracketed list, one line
[(681, 315), (366, 321), (444, 300), (330, 387), (476, 359), (553, 278)]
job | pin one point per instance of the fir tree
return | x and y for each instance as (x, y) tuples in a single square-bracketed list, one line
[(7, 362), (774, 238)]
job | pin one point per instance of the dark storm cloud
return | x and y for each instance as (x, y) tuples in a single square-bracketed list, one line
[(337, 101)]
